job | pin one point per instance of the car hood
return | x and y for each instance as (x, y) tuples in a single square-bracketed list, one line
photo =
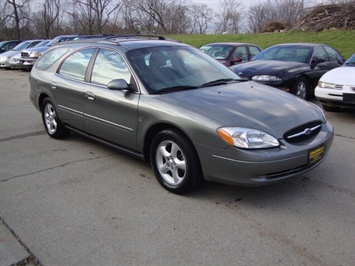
[(268, 67), (36, 49), (9, 53), (245, 104), (344, 75)]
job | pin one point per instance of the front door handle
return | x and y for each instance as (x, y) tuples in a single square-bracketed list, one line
[(53, 86), (90, 96)]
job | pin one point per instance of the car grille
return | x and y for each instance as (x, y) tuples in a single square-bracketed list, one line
[(24, 54), (304, 132)]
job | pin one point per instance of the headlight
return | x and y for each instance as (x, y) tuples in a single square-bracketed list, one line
[(328, 85), (35, 54), (266, 78), (247, 138)]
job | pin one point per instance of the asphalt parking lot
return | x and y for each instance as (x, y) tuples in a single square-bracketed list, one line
[(77, 202)]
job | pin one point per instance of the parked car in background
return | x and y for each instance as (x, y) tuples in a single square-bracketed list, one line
[(8, 45), (336, 88), (231, 53), (6, 57), (180, 109), (292, 67), (17, 63), (29, 56)]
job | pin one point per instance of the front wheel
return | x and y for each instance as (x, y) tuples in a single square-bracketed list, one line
[(175, 162), (52, 124), (301, 88), (330, 108)]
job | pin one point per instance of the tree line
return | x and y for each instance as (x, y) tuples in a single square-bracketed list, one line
[(29, 19)]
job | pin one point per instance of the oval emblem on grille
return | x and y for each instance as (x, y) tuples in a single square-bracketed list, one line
[(307, 131)]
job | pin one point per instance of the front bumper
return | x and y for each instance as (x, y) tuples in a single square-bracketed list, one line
[(336, 98), (29, 62), (261, 167), (16, 63), (4, 63)]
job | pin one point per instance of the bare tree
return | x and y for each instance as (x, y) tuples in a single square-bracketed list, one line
[(285, 11), (131, 19), (201, 15), (229, 16), (161, 16), (95, 14), (46, 20), (19, 15), (5, 15)]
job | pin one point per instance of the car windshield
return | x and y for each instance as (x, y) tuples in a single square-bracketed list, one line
[(285, 53), (42, 43), (217, 51), (171, 68), (21, 46), (350, 61), (60, 39)]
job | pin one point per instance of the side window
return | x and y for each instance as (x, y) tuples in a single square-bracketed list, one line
[(50, 57), (75, 65), (109, 65), (7, 46), (253, 51), (319, 53), (333, 55), (241, 52), (33, 44)]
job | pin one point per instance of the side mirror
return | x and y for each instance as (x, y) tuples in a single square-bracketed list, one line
[(315, 62), (118, 84)]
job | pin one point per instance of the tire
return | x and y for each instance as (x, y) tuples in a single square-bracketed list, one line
[(301, 88), (330, 108), (51, 122), (175, 162)]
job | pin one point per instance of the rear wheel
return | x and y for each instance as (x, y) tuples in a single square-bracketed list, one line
[(175, 162), (301, 88), (52, 124)]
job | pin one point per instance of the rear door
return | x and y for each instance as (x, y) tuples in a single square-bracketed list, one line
[(68, 87)]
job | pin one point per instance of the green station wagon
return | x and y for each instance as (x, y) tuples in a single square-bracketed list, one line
[(169, 103)]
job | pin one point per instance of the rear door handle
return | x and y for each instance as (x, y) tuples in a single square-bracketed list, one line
[(90, 96), (53, 86)]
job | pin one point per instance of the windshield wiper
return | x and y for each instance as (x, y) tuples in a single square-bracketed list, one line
[(174, 88), (220, 82)]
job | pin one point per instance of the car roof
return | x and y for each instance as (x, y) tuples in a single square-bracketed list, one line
[(127, 41), (298, 44), (11, 41), (230, 43)]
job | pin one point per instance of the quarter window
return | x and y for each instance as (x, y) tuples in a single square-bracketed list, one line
[(75, 65), (253, 51), (109, 65), (333, 55), (319, 53), (50, 57), (241, 52)]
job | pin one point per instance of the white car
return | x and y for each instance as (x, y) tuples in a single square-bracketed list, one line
[(336, 88)]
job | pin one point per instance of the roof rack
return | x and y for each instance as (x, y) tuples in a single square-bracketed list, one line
[(129, 36)]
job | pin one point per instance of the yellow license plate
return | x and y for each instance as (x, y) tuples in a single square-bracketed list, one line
[(316, 154)]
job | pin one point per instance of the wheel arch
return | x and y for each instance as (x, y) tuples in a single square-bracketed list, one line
[(41, 99), (153, 130)]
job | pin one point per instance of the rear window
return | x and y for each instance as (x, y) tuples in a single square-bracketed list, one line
[(50, 57)]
